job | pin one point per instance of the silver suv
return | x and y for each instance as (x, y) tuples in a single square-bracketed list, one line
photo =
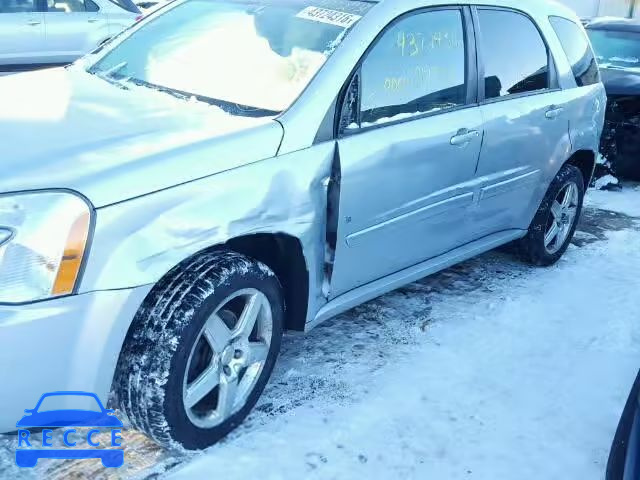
[(230, 170), (43, 32)]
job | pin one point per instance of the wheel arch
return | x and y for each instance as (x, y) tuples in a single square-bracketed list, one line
[(585, 161), (282, 253)]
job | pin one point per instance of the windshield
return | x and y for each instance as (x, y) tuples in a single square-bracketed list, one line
[(617, 49), (249, 57)]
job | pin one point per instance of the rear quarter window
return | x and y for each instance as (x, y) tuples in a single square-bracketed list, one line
[(578, 50)]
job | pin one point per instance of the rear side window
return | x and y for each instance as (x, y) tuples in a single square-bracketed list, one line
[(417, 66), (515, 56), (575, 45)]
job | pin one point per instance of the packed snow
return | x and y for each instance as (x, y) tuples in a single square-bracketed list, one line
[(521, 377), (489, 370), (625, 201)]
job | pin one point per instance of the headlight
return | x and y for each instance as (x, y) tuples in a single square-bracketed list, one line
[(43, 237)]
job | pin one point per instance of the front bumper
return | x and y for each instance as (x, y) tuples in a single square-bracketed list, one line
[(71, 343)]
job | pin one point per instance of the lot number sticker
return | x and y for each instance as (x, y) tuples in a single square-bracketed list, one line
[(332, 17)]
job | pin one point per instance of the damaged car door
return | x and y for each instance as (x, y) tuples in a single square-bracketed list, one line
[(409, 140)]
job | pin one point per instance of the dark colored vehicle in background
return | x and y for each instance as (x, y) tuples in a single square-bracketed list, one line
[(624, 460), (617, 46)]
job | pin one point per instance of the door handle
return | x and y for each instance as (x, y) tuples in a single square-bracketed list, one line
[(553, 112), (463, 137), (92, 20), (33, 23)]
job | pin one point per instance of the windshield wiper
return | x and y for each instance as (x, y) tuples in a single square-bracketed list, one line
[(112, 76), (111, 80), (229, 107)]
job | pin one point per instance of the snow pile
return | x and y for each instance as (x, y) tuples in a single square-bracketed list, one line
[(605, 181)]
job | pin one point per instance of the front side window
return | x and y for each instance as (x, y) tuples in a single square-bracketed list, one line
[(515, 56), (576, 46), (615, 49), (417, 66), (17, 6), (248, 56)]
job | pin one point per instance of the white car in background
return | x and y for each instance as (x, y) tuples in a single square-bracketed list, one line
[(50, 32)]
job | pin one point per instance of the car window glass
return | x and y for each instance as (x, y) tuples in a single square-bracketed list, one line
[(575, 45), (65, 6), (17, 6), (91, 6), (417, 66), (249, 57), (616, 49), (515, 56)]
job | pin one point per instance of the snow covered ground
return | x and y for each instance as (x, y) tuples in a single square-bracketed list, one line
[(627, 201), (490, 370)]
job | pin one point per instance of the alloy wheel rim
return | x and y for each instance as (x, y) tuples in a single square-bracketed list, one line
[(227, 358), (561, 219)]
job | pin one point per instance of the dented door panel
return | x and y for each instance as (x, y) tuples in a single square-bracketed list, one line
[(405, 191)]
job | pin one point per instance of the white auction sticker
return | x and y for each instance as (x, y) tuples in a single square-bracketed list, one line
[(332, 17)]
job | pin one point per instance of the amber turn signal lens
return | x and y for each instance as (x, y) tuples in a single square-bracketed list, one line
[(72, 257)]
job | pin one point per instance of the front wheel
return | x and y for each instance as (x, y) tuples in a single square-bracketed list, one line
[(552, 228), (201, 350)]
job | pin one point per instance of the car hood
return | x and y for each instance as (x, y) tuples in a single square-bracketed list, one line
[(619, 81), (66, 128)]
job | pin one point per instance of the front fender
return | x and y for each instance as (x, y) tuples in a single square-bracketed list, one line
[(138, 241)]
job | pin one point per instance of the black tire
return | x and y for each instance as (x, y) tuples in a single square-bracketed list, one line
[(531, 248), (148, 384)]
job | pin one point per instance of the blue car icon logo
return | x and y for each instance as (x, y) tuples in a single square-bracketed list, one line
[(43, 417), (68, 418)]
